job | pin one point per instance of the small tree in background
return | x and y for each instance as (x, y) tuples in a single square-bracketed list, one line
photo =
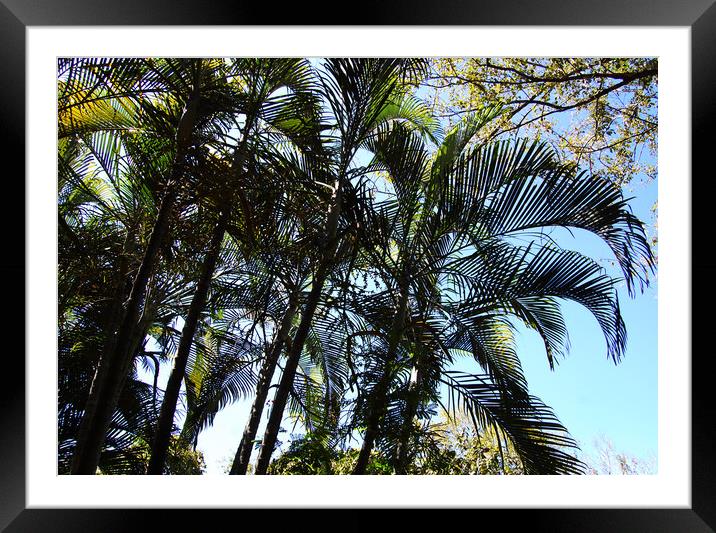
[(607, 460)]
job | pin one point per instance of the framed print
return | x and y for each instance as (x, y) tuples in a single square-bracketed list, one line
[(673, 39)]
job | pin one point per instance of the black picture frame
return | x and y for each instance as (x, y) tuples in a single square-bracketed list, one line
[(16, 15)]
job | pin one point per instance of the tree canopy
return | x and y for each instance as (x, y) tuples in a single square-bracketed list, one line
[(600, 113), (311, 233)]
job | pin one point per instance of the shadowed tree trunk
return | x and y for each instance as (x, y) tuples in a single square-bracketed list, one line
[(162, 435), (106, 390), (289, 371), (411, 408), (105, 393), (243, 453), (113, 323), (378, 401), (171, 395), (371, 431)]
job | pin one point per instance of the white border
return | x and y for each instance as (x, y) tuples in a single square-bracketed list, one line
[(669, 488)]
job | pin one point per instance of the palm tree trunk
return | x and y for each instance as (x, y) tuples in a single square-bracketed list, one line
[(102, 403), (160, 445), (299, 339), (111, 327), (379, 397), (289, 371), (377, 403), (243, 452), (413, 399)]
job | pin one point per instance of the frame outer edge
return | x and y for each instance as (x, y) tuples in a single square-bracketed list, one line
[(12, 49), (703, 113), (12, 266)]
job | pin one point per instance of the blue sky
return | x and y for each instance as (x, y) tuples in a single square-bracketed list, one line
[(589, 393)]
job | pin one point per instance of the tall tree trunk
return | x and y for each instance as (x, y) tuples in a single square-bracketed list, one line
[(104, 396), (243, 452), (110, 331), (411, 408), (379, 397), (160, 445), (376, 408), (289, 371), (103, 400), (299, 339)]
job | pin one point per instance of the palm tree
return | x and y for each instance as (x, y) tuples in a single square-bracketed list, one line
[(457, 276), (358, 93), (104, 202), (153, 90), (257, 98)]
